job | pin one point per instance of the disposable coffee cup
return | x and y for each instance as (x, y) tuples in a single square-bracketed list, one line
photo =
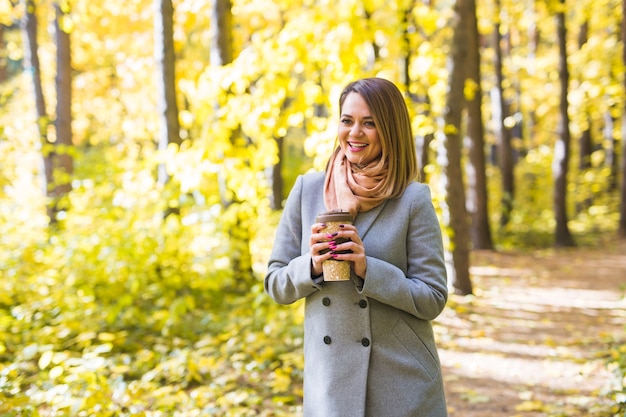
[(333, 269)]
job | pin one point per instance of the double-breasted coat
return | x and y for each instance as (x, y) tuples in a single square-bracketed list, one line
[(369, 348)]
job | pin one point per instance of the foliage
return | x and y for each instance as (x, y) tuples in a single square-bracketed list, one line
[(132, 314), (617, 363)]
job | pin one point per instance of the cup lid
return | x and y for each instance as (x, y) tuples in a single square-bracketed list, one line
[(334, 216)]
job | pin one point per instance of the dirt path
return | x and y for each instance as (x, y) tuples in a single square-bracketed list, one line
[(531, 341)]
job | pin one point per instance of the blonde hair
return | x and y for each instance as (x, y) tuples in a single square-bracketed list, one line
[(391, 116)]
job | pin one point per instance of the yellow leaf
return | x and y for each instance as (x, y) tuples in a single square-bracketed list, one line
[(550, 342), (45, 359), (106, 337), (56, 372), (534, 405)]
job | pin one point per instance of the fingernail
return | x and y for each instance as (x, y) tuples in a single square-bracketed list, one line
[(334, 255), (331, 235), (342, 225)]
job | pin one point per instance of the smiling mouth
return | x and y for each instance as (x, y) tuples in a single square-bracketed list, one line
[(357, 145)]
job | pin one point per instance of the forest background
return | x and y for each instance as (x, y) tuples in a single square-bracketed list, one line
[(146, 149)]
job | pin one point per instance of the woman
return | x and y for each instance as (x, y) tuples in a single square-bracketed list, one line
[(369, 348)]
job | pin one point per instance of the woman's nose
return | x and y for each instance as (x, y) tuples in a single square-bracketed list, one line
[(356, 130)]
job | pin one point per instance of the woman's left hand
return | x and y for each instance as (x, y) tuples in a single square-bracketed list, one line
[(357, 256)]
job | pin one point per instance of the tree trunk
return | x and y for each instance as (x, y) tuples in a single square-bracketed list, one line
[(611, 159), (165, 59), (62, 161), (622, 218), (455, 190), (423, 148), (502, 133), (585, 141), (476, 178), (563, 236), (221, 32), (4, 75), (276, 180), (32, 66)]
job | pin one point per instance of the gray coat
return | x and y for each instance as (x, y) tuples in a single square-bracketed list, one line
[(369, 348)]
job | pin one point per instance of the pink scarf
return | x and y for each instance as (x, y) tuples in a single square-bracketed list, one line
[(353, 188)]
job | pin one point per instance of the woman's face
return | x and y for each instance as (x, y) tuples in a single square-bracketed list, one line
[(357, 133)]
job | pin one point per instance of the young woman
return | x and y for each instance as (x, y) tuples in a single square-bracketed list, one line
[(369, 348)]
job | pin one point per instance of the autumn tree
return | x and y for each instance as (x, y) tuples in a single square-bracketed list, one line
[(61, 161), (475, 168), (585, 140), (417, 85), (4, 74), (236, 210), (32, 66), (561, 156), (455, 189), (165, 59), (622, 219), (502, 133)]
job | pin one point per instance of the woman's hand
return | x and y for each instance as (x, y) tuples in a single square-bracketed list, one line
[(324, 246), (320, 248)]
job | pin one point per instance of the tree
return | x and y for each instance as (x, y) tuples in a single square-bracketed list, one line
[(455, 190), (476, 177), (238, 210), (62, 162), (276, 176), (503, 134), (221, 32), (4, 74), (420, 99), (164, 56), (622, 219), (585, 141), (561, 156), (31, 64)]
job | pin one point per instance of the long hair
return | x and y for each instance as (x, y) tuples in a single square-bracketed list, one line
[(391, 117)]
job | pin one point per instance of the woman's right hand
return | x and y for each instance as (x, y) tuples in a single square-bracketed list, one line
[(321, 246)]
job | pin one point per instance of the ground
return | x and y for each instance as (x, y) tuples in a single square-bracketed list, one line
[(533, 340)]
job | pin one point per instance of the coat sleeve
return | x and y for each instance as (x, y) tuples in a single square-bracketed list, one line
[(423, 291), (288, 276)]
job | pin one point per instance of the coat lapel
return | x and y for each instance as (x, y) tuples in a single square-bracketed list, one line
[(364, 221)]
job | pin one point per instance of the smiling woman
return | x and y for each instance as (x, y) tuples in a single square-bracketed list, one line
[(369, 348)]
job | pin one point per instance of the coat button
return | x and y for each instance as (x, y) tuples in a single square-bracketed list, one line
[(326, 301), (327, 340), (363, 304), (365, 342)]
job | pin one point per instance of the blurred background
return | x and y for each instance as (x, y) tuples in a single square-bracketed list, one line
[(146, 149)]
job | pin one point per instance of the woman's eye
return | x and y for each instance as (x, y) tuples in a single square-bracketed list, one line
[(370, 124), (346, 121)]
